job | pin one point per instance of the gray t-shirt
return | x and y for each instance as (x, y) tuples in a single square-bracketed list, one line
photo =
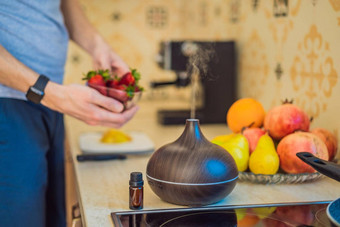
[(33, 31)]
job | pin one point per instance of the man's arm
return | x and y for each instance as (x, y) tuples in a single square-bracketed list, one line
[(78, 101), (13, 73), (79, 28), (86, 36)]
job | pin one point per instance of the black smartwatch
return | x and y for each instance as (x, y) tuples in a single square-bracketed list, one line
[(36, 92)]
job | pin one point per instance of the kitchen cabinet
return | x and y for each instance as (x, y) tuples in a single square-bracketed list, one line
[(102, 187), (70, 188)]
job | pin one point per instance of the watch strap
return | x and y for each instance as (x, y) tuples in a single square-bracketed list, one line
[(41, 83), (36, 92)]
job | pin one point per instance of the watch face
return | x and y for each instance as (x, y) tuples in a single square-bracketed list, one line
[(36, 91), (34, 95)]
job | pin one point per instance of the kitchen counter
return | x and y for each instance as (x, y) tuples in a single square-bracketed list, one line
[(102, 187)]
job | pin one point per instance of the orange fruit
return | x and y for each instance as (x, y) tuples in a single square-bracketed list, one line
[(245, 112)]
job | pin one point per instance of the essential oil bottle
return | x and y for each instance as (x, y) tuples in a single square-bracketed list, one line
[(136, 191)]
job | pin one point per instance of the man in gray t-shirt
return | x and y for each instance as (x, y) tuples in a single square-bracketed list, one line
[(33, 45)]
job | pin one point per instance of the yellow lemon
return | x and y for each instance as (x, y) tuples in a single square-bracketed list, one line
[(237, 146), (115, 136)]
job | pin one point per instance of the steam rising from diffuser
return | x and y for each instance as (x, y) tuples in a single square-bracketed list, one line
[(198, 67), (194, 90), (201, 58)]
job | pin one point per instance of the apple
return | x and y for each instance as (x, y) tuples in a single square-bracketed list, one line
[(329, 139), (253, 135), (300, 142)]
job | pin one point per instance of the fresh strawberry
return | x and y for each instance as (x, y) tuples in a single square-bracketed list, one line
[(127, 79), (130, 90), (135, 74), (120, 87), (138, 89), (118, 92), (112, 83), (96, 80)]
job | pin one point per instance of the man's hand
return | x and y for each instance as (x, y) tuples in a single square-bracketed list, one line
[(105, 58), (86, 104), (79, 101)]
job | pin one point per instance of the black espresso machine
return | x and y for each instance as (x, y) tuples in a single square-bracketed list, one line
[(216, 62)]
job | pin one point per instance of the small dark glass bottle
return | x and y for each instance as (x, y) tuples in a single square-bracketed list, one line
[(136, 191)]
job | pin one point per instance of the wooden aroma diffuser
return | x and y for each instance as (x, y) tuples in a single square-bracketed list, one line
[(191, 171)]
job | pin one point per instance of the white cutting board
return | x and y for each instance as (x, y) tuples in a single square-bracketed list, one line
[(89, 143)]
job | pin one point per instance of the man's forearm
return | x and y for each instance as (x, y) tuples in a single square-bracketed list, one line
[(80, 29), (18, 76), (15, 74)]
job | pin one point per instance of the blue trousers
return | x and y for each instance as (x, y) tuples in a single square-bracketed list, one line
[(32, 188)]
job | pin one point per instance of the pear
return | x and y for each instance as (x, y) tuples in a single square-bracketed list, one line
[(237, 145), (264, 159), (263, 212)]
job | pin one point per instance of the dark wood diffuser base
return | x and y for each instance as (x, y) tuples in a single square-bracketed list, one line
[(191, 171), (191, 195)]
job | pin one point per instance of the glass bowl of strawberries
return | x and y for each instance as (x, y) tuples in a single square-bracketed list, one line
[(125, 89)]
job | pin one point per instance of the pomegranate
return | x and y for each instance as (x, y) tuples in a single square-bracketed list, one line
[(300, 142), (295, 214), (253, 135), (329, 139), (285, 119)]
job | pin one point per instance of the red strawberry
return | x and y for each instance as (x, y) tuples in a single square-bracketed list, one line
[(112, 83), (127, 79), (118, 92), (97, 77), (96, 80), (120, 87)]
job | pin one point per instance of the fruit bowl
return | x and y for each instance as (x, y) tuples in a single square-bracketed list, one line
[(278, 178), (128, 99)]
